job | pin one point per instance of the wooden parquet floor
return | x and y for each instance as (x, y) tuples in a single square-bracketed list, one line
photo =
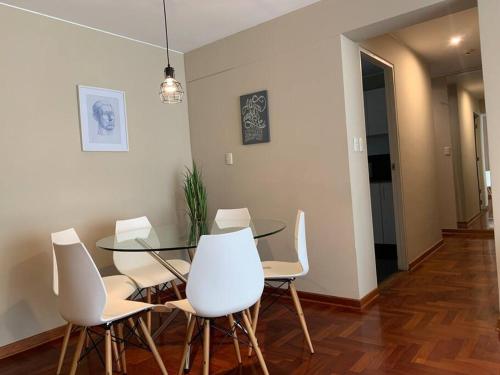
[(440, 319)]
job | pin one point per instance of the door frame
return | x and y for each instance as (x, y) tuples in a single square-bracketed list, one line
[(394, 147), (479, 154)]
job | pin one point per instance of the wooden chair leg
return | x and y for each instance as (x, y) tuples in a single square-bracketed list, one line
[(206, 347), (152, 346), (254, 321), (189, 335), (107, 352), (133, 326), (176, 289), (298, 307), (235, 338), (255, 345), (178, 294), (148, 314), (122, 348), (249, 315), (78, 350), (67, 334), (116, 355)]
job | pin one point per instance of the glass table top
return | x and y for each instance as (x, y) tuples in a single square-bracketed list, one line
[(172, 237)]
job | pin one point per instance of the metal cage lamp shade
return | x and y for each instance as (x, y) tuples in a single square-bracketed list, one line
[(170, 89)]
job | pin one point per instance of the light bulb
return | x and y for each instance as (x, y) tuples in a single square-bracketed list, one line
[(171, 91), (456, 40)]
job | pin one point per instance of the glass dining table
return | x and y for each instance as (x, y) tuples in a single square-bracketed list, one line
[(164, 238)]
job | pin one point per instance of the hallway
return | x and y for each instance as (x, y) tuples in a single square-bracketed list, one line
[(439, 319)]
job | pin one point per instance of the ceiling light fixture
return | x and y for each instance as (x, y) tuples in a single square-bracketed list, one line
[(456, 40), (170, 89)]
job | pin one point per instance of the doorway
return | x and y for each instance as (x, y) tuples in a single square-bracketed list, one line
[(382, 149)]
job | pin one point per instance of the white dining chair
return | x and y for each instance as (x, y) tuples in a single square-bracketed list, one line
[(231, 218), (117, 286), (142, 267), (237, 216), (84, 302), (226, 278), (288, 272)]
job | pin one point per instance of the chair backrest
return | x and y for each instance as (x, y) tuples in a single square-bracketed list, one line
[(126, 261), (82, 295), (226, 274), (233, 217), (64, 237), (236, 216), (301, 242)]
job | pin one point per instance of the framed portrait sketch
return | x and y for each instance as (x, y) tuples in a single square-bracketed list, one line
[(103, 119)]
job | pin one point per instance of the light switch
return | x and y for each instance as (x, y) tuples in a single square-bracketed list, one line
[(229, 158), (356, 144), (447, 151), (361, 145)]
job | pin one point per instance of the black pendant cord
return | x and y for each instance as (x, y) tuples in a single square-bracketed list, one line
[(166, 31)]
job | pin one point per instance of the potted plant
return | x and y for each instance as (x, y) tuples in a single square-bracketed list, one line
[(196, 201)]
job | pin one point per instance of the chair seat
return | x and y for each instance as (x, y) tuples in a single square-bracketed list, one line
[(116, 309), (182, 304), (119, 286), (155, 274), (281, 270)]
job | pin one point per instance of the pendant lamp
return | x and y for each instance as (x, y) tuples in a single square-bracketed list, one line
[(170, 89)]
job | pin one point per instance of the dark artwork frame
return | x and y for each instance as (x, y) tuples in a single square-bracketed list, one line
[(254, 110)]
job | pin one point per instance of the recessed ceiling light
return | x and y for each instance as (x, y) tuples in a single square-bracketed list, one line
[(456, 40)]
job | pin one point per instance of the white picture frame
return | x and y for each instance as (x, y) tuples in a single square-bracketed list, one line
[(103, 119)]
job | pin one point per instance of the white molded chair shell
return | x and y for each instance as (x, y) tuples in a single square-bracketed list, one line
[(127, 229), (233, 218), (82, 295), (83, 300), (282, 270), (301, 242), (140, 266), (64, 237), (236, 216), (117, 286), (226, 274)]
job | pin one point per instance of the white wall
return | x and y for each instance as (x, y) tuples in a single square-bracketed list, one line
[(416, 144), (298, 59), (490, 29), (444, 163), (358, 169), (47, 183), (456, 152), (454, 108), (466, 106)]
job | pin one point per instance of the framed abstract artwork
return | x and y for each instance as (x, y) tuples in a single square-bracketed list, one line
[(103, 119), (254, 109)]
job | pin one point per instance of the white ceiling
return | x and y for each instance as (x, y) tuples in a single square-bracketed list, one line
[(192, 23), (431, 41)]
